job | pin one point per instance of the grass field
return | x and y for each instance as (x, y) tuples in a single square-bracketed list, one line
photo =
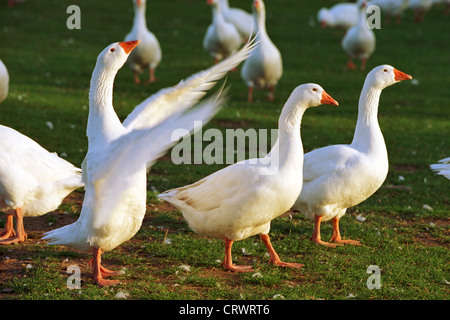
[(404, 226)]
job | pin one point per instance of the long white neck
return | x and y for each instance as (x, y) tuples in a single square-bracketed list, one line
[(288, 149), (260, 22), (140, 22), (362, 21), (217, 13), (103, 124), (225, 5), (368, 136)]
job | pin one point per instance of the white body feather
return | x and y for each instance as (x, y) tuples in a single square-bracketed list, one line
[(31, 177)]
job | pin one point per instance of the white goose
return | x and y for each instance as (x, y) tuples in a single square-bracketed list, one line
[(221, 39), (148, 55), (4, 81), (119, 154), (33, 181), (240, 200), (342, 15), (242, 20), (359, 41), (264, 67), (442, 168), (341, 176)]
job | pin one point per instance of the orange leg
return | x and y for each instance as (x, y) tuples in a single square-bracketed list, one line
[(250, 94), (21, 236), (8, 231), (363, 64), (99, 272), (271, 93), (316, 233), (228, 262), (337, 235), (136, 77), (350, 64), (274, 258), (152, 76)]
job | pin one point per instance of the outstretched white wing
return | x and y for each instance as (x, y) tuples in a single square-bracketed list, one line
[(184, 95), (141, 147), (442, 168)]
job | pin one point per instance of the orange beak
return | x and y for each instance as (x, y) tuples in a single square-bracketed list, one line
[(327, 99), (399, 76), (128, 46), (257, 4)]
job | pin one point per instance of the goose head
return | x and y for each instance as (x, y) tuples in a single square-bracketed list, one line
[(303, 97), (114, 56), (362, 4), (258, 6), (139, 3), (324, 17), (386, 75), (312, 95)]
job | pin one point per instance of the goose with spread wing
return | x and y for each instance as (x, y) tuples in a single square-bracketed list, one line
[(120, 154)]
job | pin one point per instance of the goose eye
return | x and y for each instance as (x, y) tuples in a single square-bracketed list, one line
[(314, 89), (385, 70), (112, 50)]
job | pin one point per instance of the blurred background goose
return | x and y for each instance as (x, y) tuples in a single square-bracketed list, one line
[(391, 8), (264, 68), (148, 55), (241, 19), (222, 38), (359, 41), (342, 15)]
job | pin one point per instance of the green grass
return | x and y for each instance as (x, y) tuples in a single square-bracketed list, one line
[(50, 72)]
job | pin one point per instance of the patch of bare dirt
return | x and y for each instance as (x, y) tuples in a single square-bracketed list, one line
[(426, 238)]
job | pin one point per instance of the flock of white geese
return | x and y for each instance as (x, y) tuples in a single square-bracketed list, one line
[(231, 204)]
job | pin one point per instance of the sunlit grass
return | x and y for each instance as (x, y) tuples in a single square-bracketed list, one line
[(50, 72)]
